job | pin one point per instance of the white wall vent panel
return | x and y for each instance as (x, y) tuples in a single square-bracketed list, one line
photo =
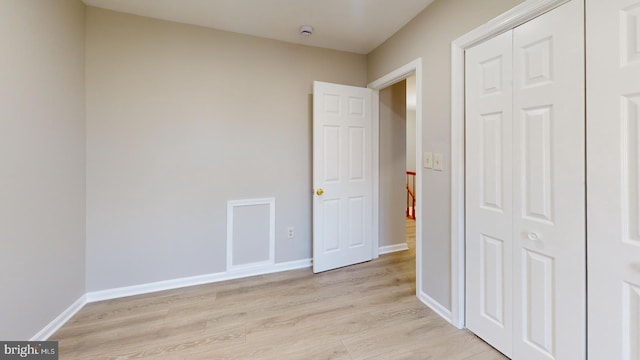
[(250, 233)]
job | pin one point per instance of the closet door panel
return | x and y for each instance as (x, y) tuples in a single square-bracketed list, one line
[(613, 173), (549, 186), (489, 191)]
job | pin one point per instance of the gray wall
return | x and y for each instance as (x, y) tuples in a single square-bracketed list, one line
[(411, 123), (42, 152), (411, 140), (181, 119), (393, 107), (429, 36)]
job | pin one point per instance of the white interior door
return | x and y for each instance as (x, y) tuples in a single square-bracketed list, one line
[(489, 102), (549, 186), (613, 152), (526, 241), (342, 176)]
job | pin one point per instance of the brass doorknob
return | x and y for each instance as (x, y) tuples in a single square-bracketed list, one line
[(319, 192)]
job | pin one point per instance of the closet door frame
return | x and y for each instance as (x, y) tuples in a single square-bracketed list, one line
[(519, 15)]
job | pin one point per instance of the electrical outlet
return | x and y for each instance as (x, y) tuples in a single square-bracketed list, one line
[(290, 232), (437, 161), (427, 160)]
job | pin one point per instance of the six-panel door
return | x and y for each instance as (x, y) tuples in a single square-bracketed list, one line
[(342, 176)]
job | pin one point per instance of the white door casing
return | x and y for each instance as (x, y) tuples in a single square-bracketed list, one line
[(546, 249), (549, 186), (613, 174), (342, 175), (489, 191)]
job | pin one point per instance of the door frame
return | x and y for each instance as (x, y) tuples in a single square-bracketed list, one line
[(519, 15), (395, 76)]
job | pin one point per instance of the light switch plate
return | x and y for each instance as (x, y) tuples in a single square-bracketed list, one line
[(437, 161), (427, 160)]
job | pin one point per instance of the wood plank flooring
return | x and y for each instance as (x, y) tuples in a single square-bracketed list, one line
[(365, 311)]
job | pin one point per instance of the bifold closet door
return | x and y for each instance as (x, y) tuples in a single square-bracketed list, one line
[(613, 173), (489, 210), (549, 186), (526, 167)]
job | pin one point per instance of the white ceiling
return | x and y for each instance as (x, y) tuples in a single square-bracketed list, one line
[(350, 25)]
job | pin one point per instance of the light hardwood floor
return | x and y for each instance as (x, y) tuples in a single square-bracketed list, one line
[(365, 311)]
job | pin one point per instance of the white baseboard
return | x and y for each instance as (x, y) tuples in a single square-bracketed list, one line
[(290, 265), (392, 248), (194, 280), (108, 294), (60, 320), (436, 307)]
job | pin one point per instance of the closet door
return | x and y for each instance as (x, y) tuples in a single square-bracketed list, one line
[(489, 191), (525, 188), (549, 186), (613, 173)]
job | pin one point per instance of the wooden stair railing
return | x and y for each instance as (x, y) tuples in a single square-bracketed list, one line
[(411, 195)]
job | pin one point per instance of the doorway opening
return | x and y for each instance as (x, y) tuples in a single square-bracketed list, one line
[(392, 141), (410, 214), (397, 141), (412, 70)]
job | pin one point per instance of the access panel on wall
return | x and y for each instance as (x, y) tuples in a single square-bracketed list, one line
[(525, 188)]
